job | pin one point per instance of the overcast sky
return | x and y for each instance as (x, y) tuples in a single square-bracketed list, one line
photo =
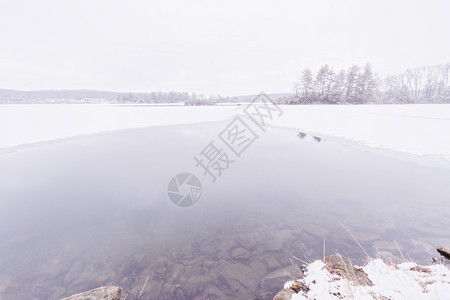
[(214, 47)]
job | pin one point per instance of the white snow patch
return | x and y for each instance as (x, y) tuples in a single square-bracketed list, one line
[(400, 282), (324, 285), (32, 123), (394, 282), (420, 129)]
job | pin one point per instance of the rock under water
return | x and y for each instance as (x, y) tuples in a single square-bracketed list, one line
[(103, 293)]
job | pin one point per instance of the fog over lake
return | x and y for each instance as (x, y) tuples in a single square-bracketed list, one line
[(75, 213)]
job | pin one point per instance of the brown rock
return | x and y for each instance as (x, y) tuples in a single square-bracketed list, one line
[(300, 286), (420, 269), (103, 293), (343, 266), (444, 251)]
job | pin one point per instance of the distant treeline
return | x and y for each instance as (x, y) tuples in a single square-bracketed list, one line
[(172, 97), (92, 96), (360, 85), (355, 85)]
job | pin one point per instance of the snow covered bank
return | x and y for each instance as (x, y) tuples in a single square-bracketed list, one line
[(415, 129), (31, 123), (420, 129), (403, 281)]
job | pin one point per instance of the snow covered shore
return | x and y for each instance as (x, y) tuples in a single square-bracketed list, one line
[(419, 129), (402, 281), (415, 129), (33, 123)]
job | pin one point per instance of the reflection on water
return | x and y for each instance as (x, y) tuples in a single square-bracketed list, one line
[(301, 135), (94, 211), (317, 139)]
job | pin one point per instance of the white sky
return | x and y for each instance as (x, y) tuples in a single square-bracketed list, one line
[(214, 47)]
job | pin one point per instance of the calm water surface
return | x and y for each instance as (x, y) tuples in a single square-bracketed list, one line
[(92, 211)]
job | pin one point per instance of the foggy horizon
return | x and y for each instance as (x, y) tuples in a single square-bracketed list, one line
[(222, 48)]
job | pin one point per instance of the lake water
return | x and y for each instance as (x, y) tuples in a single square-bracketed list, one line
[(94, 210)]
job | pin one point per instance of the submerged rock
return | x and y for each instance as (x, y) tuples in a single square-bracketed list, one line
[(74, 272), (316, 230), (384, 245), (258, 267), (284, 295), (5, 281), (366, 237), (240, 254), (272, 281), (274, 243), (105, 276), (247, 240), (152, 289), (271, 261), (237, 275), (56, 292), (103, 293)]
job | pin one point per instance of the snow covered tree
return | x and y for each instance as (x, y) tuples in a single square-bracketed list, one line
[(359, 85), (350, 83), (306, 86), (338, 87), (365, 85)]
